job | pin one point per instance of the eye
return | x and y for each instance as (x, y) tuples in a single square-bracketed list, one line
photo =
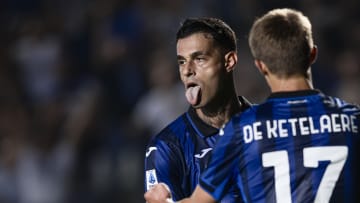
[(200, 59), (181, 62)]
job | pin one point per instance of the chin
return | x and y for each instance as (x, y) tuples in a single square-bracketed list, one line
[(200, 104), (197, 106)]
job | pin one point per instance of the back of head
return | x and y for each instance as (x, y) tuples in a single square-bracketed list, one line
[(223, 35), (282, 39)]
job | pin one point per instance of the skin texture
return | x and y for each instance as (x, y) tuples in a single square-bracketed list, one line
[(202, 63)]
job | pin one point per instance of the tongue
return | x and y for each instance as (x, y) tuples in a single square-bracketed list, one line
[(192, 95)]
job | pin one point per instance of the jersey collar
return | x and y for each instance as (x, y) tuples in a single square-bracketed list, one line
[(206, 129), (294, 93)]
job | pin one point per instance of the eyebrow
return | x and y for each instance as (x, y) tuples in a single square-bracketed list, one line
[(192, 55)]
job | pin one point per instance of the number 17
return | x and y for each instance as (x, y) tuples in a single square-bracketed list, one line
[(312, 155)]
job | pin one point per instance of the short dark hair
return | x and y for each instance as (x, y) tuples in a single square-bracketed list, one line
[(221, 32), (282, 39)]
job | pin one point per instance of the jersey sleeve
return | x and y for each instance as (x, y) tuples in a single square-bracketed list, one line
[(222, 169), (164, 163)]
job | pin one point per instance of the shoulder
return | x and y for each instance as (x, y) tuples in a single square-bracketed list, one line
[(341, 105), (173, 133), (248, 109), (245, 103)]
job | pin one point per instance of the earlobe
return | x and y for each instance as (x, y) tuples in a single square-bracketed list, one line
[(313, 54), (230, 61)]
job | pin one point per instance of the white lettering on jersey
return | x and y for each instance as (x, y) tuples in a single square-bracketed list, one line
[(281, 128)]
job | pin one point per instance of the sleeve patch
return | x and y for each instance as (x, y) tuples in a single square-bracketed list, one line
[(151, 178)]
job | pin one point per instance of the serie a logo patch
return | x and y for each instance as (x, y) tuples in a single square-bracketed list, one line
[(151, 178)]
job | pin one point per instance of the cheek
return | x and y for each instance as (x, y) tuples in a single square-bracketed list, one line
[(217, 81), (181, 77), (212, 82), (214, 75)]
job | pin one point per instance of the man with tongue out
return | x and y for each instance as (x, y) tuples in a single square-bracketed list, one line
[(278, 156), (207, 56)]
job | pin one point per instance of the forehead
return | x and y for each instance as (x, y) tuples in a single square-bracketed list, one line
[(194, 43)]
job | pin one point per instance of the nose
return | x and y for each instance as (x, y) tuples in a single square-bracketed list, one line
[(187, 69)]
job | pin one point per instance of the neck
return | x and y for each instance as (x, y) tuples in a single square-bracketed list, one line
[(289, 84), (217, 117)]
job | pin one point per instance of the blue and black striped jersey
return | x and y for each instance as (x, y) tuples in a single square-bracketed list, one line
[(180, 153), (295, 147)]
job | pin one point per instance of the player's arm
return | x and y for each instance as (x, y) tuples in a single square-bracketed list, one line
[(222, 171), (199, 196), (161, 194), (163, 164)]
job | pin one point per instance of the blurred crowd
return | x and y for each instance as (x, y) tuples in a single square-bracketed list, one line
[(85, 83)]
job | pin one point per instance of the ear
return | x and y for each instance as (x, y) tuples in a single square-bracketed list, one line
[(261, 67), (230, 61), (313, 54)]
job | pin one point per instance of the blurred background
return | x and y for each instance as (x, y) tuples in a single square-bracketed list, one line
[(85, 83)]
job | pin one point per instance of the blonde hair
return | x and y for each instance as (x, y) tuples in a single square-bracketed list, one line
[(282, 39)]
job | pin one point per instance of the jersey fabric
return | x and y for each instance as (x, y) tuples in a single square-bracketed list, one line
[(180, 153), (296, 147)]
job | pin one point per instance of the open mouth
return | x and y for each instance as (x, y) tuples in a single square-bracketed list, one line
[(190, 84), (192, 93)]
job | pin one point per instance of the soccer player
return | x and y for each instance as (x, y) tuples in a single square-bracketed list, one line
[(299, 145), (207, 56)]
